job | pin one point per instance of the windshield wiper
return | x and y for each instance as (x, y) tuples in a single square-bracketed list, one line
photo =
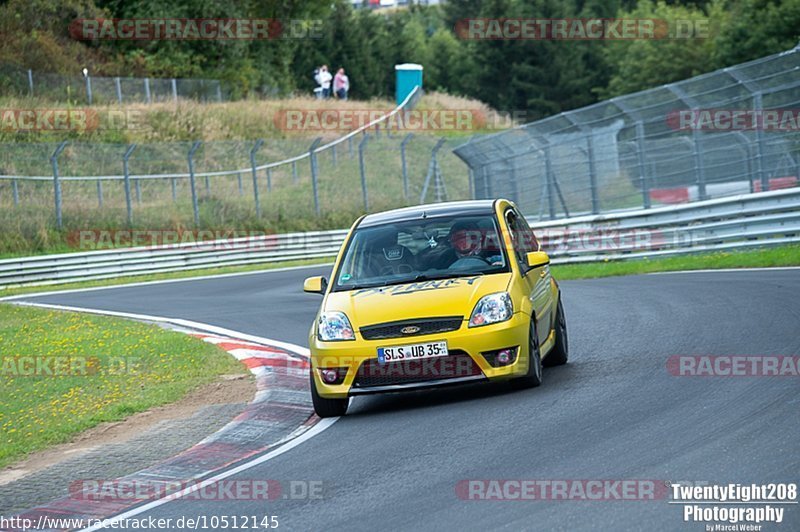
[(427, 277), (415, 279), (364, 286)]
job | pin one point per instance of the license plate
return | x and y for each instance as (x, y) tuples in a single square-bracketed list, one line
[(412, 352)]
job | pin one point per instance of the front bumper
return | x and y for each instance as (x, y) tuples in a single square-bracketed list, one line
[(463, 342), (421, 385)]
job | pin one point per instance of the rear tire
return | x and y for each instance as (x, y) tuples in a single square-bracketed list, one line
[(326, 407), (560, 352), (533, 378)]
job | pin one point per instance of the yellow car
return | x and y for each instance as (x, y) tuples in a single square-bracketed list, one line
[(435, 295)]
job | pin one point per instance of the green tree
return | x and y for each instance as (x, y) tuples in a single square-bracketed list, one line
[(644, 63), (755, 28)]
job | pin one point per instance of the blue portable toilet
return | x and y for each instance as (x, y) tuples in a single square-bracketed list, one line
[(409, 75)]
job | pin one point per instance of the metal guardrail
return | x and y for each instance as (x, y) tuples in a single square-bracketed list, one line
[(738, 222), (106, 264)]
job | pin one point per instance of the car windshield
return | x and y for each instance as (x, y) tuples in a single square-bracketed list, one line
[(421, 250)]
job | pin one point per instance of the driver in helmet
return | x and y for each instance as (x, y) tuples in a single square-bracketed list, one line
[(467, 240)]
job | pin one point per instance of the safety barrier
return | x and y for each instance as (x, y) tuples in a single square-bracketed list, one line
[(737, 222)]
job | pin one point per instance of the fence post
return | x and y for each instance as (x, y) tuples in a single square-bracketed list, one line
[(219, 92), (471, 178), (138, 184), (239, 182), (127, 178), (174, 90), (15, 192), (269, 179), (30, 81), (762, 175), (89, 89), (350, 146), (147, 96), (642, 164), (294, 171), (57, 182), (314, 177), (361, 146), (403, 164), (433, 169), (699, 166), (548, 168), (592, 174), (119, 89), (173, 185), (100, 193), (253, 151), (195, 210), (208, 187), (388, 127)]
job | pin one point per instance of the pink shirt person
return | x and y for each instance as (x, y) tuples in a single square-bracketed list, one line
[(341, 84)]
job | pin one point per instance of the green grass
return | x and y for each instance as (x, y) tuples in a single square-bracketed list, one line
[(118, 367), (760, 258)]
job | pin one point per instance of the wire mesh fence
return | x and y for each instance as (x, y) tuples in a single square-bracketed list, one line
[(216, 184), (728, 132), (153, 186), (19, 82)]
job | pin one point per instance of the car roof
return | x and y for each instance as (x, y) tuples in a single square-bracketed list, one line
[(429, 210)]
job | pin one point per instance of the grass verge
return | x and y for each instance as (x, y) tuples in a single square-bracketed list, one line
[(65, 372), (760, 258)]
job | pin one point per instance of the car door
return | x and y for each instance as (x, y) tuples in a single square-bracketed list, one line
[(536, 281)]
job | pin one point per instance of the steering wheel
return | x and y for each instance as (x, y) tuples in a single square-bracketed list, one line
[(469, 262)]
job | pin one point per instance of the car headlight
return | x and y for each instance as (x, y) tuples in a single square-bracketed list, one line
[(333, 327), (493, 308)]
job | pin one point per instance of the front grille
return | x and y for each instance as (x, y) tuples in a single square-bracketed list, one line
[(426, 326), (456, 364)]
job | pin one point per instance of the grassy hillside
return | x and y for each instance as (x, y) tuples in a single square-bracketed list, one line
[(188, 120), (165, 133)]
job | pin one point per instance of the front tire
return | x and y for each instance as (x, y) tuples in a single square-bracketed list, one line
[(533, 378), (560, 353), (326, 407)]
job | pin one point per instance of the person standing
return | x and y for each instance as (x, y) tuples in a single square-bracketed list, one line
[(341, 84), (318, 93), (324, 80)]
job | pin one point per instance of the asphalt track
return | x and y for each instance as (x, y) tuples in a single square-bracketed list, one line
[(614, 412)]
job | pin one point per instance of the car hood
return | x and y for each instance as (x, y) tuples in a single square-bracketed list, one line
[(424, 299)]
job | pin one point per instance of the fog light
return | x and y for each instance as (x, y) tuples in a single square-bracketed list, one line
[(333, 375), (503, 357)]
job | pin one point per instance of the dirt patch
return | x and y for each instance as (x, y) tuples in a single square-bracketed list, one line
[(228, 389)]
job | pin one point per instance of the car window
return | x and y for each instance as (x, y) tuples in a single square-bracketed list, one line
[(529, 235), (523, 239), (422, 249)]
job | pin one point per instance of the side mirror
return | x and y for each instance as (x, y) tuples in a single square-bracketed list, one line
[(537, 259), (315, 285)]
